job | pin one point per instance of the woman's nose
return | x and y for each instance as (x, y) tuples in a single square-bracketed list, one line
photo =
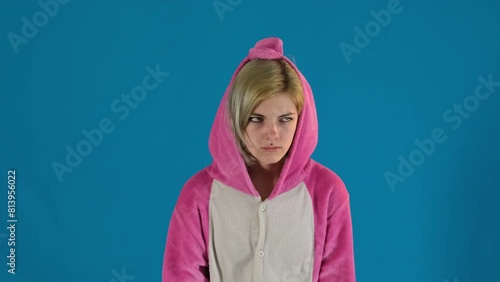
[(271, 130)]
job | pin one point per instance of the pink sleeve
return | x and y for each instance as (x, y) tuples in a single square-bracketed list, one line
[(185, 257), (337, 263)]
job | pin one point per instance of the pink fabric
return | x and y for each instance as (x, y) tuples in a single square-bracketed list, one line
[(186, 257)]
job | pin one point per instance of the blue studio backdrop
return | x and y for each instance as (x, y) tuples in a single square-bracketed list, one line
[(408, 103)]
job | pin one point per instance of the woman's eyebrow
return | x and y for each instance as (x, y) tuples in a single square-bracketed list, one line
[(287, 114)]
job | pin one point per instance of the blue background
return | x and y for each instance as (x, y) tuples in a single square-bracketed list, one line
[(111, 213)]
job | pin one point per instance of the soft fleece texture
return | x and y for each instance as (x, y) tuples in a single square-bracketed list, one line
[(194, 242)]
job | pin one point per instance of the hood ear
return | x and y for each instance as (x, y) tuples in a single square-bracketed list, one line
[(268, 48)]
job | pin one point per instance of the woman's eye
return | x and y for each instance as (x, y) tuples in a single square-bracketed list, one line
[(260, 119), (255, 119)]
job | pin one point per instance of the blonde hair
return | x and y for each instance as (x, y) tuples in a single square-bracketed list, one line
[(258, 80)]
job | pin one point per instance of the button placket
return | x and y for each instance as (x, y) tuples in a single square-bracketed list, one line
[(259, 248), (262, 230)]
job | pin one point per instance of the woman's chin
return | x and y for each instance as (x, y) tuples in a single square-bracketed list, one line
[(270, 160)]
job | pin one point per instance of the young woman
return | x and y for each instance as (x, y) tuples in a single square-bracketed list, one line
[(263, 210)]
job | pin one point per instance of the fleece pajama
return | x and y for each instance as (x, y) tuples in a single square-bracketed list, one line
[(221, 230)]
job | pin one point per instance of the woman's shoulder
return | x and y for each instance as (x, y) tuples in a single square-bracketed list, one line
[(197, 188), (323, 173), (326, 181)]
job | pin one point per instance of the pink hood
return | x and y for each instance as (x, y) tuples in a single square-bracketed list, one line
[(228, 165)]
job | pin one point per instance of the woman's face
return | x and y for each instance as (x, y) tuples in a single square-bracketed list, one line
[(271, 128)]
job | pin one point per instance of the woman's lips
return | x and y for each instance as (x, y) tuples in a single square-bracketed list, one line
[(270, 149)]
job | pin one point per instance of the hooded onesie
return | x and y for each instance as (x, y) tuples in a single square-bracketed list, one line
[(221, 230)]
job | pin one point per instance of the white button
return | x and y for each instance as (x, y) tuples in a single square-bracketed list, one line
[(261, 253), (263, 207)]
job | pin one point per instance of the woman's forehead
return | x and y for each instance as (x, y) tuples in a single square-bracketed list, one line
[(280, 103)]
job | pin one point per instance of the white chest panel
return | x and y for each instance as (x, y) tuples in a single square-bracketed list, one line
[(251, 240)]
